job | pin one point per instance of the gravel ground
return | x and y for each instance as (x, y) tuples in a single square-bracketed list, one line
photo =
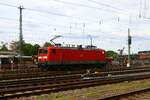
[(93, 93)]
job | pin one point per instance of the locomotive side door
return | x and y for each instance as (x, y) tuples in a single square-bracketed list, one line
[(102, 56), (56, 55)]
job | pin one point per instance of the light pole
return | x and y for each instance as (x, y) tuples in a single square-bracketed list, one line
[(91, 42)]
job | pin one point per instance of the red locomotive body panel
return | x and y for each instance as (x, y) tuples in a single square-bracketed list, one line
[(54, 55), (83, 55)]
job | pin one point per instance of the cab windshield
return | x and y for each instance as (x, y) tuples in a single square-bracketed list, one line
[(43, 51)]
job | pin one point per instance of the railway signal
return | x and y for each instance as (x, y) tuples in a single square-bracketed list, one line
[(129, 48)]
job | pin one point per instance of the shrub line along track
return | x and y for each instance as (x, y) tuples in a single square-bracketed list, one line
[(26, 87)]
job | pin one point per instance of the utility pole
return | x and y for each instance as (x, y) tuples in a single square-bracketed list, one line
[(20, 33), (129, 47)]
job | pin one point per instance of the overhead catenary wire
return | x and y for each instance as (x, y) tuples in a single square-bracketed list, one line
[(47, 25), (51, 13), (5, 4), (33, 22), (64, 2), (113, 10), (36, 10), (39, 30), (62, 15), (58, 14), (87, 6), (29, 30), (5, 18), (40, 23), (106, 5)]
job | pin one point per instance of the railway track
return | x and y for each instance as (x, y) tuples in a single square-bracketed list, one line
[(30, 74), (34, 86), (19, 75)]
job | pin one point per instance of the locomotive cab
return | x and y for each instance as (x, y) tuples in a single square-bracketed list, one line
[(42, 56), (49, 56)]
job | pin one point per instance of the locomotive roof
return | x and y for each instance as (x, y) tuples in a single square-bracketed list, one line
[(75, 48), (7, 53), (144, 52)]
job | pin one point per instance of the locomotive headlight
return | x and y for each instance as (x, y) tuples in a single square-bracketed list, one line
[(45, 57), (39, 57), (103, 52)]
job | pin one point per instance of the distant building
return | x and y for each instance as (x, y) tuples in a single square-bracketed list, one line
[(6, 56)]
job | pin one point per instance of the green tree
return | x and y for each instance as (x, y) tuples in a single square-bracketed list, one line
[(35, 49), (46, 44), (111, 54), (27, 48)]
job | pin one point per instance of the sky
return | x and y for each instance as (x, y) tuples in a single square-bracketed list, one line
[(77, 21)]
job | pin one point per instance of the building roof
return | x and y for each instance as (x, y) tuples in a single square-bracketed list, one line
[(8, 53)]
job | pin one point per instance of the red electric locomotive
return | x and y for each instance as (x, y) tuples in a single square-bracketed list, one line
[(54, 57)]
